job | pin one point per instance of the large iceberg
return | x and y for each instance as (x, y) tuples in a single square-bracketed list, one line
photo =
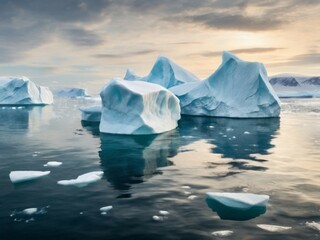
[(165, 73), (91, 114), (137, 108), (22, 91), (71, 92), (238, 89)]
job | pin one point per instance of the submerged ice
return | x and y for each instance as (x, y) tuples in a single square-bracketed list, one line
[(137, 108), (22, 91), (236, 89), (165, 73)]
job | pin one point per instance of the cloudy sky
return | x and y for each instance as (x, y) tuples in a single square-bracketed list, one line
[(84, 43)]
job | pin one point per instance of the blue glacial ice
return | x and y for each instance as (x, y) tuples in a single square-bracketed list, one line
[(137, 107), (237, 89), (165, 73), (22, 91), (91, 114), (71, 92)]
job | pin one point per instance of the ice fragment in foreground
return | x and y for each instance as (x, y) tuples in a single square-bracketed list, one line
[(273, 228), (53, 164), (237, 89), (137, 108), (22, 176), (223, 233), (83, 180), (313, 225), (164, 213)]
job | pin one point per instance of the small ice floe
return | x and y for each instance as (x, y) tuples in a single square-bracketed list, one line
[(157, 218), (225, 136), (163, 212), (83, 180), (191, 197), (105, 210), (229, 129), (29, 211), (223, 233), (186, 193), (246, 132), (186, 187), (211, 127), (234, 137), (53, 164), (35, 154), (28, 214), (273, 228), (22, 176), (313, 225)]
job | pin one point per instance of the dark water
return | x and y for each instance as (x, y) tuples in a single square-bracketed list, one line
[(142, 175)]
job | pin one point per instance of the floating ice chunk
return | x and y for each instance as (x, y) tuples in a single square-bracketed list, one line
[(191, 197), (164, 213), (22, 91), (22, 176), (30, 211), (273, 228), (106, 209), (83, 180), (222, 233), (313, 225), (91, 114), (165, 73), (157, 218), (187, 193), (186, 187), (246, 133), (237, 206), (53, 164), (137, 108), (237, 89), (71, 92)]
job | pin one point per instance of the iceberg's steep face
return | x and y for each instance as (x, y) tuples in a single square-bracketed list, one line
[(238, 89), (165, 73), (71, 92), (137, 108), (22, 91), (91, 114)]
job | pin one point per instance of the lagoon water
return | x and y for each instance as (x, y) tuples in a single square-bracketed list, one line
[(145, 174)]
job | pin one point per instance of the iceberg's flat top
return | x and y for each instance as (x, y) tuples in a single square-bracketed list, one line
[(239, 200), (21, 176)]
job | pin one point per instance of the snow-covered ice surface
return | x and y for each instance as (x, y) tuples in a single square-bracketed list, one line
[(137, 108), (91, 114), (237, 89), (237, 206), (22, 91), (83, 180), (53, 164), (71, 92), (23, 176), (273, 228), (165, 73)]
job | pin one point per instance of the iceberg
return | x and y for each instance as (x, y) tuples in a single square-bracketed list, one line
[(137, 108), (91, 114), (237, 206), (313, 225), (83, 180), (71, 92), (237, 89), (22, 176), (165, 73), (22, 91)]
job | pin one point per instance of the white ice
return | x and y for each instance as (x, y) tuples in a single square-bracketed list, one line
[(222, 233), (239, 200), (313, 225), (22, 91), (22, 176), (237, 89), (30, 211), (165, 73), (83, 180), (91, 114), (136, 107), (163, 212), (106, 208), (53, 164), (273, 228), (157, 218)]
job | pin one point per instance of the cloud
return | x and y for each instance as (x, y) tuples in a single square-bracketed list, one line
[(124, 55), (82, 37), (240, 51)]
